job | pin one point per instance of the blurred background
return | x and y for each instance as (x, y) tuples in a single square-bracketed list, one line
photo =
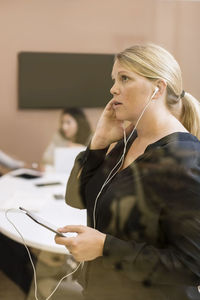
[(88, 26)]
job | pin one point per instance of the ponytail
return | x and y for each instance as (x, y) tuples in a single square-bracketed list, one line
[(190, 117)]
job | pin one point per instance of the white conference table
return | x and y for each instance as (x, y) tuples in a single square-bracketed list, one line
[(15, 192)]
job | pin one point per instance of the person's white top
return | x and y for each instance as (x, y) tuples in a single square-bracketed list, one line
[(39, 196), (64, 158), (9, 162)]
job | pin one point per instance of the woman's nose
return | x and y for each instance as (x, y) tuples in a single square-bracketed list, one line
[(114, 89), (65, 126)]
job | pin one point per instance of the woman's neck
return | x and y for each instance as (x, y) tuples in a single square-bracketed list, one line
[(158, 125)]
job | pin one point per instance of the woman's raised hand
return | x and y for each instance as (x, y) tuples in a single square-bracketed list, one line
[(109, 129)]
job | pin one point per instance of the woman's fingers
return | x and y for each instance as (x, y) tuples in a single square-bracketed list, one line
[(69, 242), (66, 241), (72, 228), (87, 245)]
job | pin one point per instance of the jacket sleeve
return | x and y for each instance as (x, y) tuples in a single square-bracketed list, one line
[(177, 259), (85, 165)]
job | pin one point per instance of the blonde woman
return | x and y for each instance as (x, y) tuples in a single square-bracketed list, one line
[(143, 197)]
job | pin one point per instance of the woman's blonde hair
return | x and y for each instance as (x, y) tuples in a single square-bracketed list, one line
[(154, 62)]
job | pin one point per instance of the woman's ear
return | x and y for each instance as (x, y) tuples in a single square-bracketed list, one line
[(160, 88)]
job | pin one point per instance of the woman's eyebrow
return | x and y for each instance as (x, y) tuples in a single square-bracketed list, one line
[(120, 72)]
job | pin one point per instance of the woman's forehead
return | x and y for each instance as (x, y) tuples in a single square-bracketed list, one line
[(119, 68), (67, 116)]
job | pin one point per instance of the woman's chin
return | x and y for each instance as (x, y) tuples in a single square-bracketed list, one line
[(121, 116)]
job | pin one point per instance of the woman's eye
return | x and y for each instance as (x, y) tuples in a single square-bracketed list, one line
[(124, 78)]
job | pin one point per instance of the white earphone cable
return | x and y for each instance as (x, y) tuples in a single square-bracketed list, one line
[(34, 271), (121, 160)]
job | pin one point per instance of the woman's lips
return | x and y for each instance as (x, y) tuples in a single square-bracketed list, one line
[(116, 103)]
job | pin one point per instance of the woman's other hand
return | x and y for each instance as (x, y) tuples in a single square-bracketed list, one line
[(87, 245)]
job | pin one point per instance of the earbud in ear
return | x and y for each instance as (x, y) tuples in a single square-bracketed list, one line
[(155, 91)]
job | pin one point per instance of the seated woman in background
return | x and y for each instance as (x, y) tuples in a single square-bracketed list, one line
[(74, 130)]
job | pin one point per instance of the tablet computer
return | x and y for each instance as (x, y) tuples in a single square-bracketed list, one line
[(42, 222)]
